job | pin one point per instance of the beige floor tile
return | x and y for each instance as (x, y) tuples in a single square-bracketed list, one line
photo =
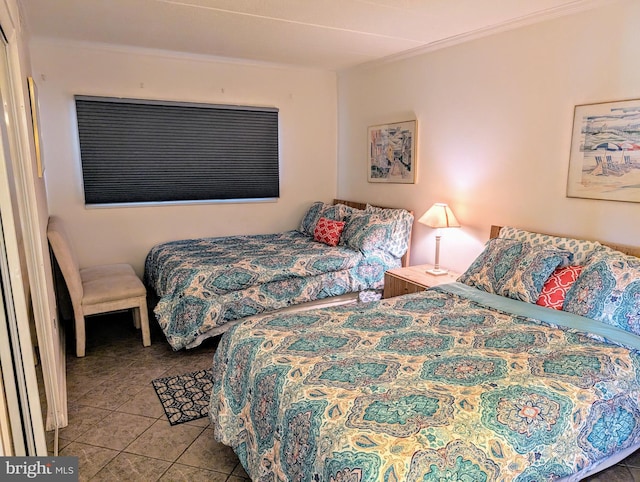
[(163, 441), (49, 438), (233, 478), (117, 430), (81, 420), (154, 357), (111, 394), (78, 386), (96, 366), (91, 459), (127, 368), (144, 377), (132, 468), (62, 443), (191, 362), (206, 453), (635, 473), (617, 473), (203, 422), (137, 371), (145, 402), (156, 369), (633, 460), (240, 472), (115, 350), (185, 473)]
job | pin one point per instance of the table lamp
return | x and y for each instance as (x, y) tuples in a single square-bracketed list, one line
[(439, 216)]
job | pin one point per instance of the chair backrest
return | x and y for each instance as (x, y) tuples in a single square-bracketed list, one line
[(66, 259)]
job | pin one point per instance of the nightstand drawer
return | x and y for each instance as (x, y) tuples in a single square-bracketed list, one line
[(401, 281), (394, 286)]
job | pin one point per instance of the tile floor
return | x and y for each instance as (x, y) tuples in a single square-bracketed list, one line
[(119, 431), (117, 426)]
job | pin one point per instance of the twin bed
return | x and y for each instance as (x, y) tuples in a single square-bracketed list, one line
[(527, 368), (338, 255)]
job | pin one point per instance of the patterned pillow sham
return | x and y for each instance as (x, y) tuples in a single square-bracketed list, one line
[(319, 209), (581, 249), (310, 218), (608, 290), (513, 269), (400, 235), (556, 287), (367, 232)]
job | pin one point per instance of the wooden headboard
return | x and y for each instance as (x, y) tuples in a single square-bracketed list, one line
[(359, 205), (631, 250)]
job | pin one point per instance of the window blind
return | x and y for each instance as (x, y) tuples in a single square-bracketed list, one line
[(139, 151)]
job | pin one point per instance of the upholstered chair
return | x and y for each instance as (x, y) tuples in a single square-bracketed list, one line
[(97, 289)]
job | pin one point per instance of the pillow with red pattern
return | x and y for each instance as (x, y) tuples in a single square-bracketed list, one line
[(555, 288), (328, 231)]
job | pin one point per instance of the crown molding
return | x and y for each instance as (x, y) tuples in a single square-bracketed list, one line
[(571, 8)]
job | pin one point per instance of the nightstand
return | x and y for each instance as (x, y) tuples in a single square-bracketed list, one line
[(400, 281)]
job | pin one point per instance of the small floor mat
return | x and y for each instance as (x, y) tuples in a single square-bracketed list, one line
[(185, 397)]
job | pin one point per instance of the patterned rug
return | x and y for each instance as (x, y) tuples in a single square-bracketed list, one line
[(185, 397)]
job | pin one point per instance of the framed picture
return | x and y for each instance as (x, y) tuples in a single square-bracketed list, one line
[(35, 119), (392, 152), (605, 152)]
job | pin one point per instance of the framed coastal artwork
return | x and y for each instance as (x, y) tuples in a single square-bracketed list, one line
[(392, 152), (604, 162)]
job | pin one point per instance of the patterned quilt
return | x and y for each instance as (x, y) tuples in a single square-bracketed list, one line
[(431, 386), (204, 283)]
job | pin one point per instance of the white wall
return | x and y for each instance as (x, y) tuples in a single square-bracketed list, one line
[(308, 139), (494, 120)]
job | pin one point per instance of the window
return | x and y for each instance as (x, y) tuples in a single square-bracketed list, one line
[(139, 151)]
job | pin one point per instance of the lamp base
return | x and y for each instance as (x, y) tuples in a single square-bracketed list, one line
[(437, 272)]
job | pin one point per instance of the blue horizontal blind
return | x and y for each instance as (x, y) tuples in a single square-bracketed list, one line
[(138, 151)]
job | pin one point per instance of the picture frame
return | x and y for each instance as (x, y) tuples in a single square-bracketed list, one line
[(392, 152), (604, 162), (35, 120)]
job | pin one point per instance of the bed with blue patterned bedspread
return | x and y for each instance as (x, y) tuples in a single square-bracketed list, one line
[(449, 384), (203, 284)]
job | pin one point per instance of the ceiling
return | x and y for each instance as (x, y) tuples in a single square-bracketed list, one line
[(325, 34)]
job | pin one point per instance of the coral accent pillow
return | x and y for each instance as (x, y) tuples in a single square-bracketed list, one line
[(555, 288), (328, 231)]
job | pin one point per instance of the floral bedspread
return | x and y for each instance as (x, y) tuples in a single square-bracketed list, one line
[(205, 283), (424, 387)]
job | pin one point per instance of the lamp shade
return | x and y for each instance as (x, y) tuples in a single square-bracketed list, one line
[(439, 216)]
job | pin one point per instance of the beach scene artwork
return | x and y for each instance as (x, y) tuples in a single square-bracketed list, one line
[(392, 152), (605, 152)]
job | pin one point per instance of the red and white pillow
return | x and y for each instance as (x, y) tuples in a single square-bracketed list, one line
[(555, 288), (328, 231)]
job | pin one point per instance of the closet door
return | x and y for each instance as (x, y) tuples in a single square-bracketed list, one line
[(25, 305), (17, 361)]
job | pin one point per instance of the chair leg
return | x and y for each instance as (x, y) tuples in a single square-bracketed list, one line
[(141, 320), (80, 334), (136, 318)]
